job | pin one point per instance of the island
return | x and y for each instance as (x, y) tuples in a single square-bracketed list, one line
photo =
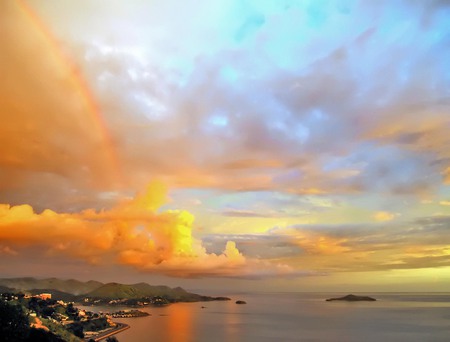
[(241, 302), (129, 314), (353, 298)]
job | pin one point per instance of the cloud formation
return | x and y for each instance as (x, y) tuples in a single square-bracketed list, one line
[(327, 119), (133, 233), (301, 110), (336, 248), (421, 243)]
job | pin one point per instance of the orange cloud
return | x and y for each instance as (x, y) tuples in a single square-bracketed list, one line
[(132, 233), (321, 244)]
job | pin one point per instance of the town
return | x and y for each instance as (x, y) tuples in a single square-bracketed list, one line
[(58, 320)]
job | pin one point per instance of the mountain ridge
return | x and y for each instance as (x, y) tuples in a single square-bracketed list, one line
[(71, 286), (71, 289)]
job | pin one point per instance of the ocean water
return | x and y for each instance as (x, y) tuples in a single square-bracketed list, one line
[(297, 317)]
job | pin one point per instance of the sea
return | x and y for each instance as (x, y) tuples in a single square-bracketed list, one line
[(295, 317)]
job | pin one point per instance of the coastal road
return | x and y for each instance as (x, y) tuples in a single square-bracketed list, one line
[(117, 329)]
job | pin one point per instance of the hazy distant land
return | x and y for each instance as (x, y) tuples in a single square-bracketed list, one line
[(97, 293)]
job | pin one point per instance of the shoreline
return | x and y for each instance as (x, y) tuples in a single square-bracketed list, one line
[(118, 329)]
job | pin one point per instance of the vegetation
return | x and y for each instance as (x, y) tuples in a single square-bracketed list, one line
[(28, 317), (15, 326), (69, 286), (134, 295), (53, 320), (129, 313), (93, 292), (60, 330)]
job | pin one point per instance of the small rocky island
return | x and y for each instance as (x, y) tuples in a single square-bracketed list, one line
[(353, 298), (241, 302)]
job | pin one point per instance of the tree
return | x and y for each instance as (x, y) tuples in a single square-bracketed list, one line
[(14, 325), (112, 339), (76, 329), (47, 311), (33, 304), (39, 335)]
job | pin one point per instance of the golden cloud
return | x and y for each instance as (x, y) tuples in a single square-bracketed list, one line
[(383, 216), (132, 233)]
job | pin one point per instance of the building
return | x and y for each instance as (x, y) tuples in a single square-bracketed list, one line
[(45, 296)]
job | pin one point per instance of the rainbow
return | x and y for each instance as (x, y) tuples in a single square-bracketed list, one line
[(80, 85)]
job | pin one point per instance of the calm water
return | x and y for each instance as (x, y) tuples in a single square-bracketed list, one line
[(297, 317)]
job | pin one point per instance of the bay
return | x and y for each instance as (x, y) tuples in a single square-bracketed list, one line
[(296, 317)]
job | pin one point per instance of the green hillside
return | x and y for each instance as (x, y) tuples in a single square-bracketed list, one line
[(141, 290), (115, 290), (73, 290), (71, 286), (56, 294)]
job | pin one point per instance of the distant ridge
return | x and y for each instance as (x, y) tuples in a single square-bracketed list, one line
[(73, 290), (140, 290), (4, 289), (71, 286), (56, 294)]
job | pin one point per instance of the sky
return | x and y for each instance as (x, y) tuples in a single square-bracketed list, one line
[(239, 145)]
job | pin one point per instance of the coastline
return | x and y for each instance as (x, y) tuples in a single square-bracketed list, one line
[(283, 315), (118, 329)]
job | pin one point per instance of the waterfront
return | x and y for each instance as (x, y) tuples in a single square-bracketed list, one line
[(296, 317), (108, 332)]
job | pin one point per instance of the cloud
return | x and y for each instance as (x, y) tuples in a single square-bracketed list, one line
[(258, 213), (385, 245), (132, 233), (243, 213), (51, 138), (256, 246), (383, 216), (290, 116), (302, 105)]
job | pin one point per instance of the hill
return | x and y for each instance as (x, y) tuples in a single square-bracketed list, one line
[(72, 286), (142, 290), (5, 289), (74, 290), (56, 294)]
